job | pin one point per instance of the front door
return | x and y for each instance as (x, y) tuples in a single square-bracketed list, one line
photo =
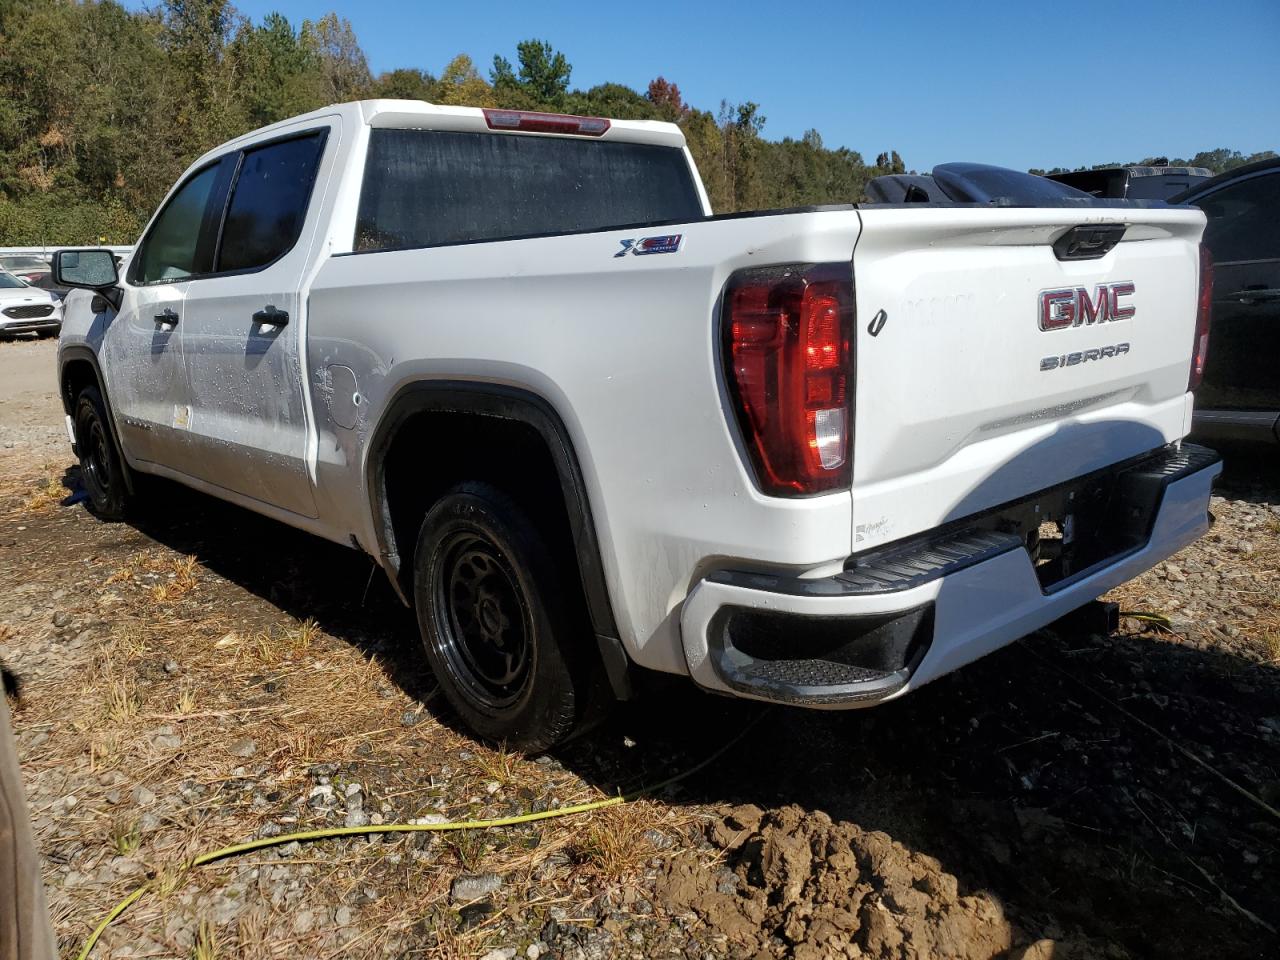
[(141, 345), (242, 337)]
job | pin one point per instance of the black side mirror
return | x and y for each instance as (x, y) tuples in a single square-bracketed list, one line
[(85, 269)]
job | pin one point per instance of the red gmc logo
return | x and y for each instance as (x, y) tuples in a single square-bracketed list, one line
[(1060, 309)]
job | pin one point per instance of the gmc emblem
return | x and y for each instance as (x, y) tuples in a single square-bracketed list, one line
[(1060, 309)]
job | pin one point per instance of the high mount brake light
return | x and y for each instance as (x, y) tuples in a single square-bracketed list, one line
[(1204, 309), (787, 340), (528, 121)]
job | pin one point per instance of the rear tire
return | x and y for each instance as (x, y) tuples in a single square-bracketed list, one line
[(491, 606), (102, 469)]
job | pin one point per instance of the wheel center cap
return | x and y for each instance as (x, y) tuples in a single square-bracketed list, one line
[(489, 615)]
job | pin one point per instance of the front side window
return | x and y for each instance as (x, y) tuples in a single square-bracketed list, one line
[(1242, 220), (429, 187), (269, 202), (180, 242)]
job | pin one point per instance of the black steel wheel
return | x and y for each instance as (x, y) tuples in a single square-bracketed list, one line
[(102, 469), (492, 611), (485, 623)]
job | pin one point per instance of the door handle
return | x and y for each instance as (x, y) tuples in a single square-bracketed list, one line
[(270, 315), (167, 316), (1261, 295)]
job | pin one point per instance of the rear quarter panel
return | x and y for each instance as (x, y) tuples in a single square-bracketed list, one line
[(624, 349)]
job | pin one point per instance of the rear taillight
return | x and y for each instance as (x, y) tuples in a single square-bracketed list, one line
[(1204, 308), (530, 121), (787, 333)]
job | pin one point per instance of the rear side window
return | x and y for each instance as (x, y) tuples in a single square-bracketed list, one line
[(428, 187), (269, 202), (1243, 223), (180, 241)]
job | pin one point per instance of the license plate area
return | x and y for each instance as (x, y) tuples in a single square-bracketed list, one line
[(1070, 529)]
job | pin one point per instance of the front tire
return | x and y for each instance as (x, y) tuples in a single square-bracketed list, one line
[(491, 606), (102, 467)]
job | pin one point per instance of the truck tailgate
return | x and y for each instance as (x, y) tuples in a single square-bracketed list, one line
[(988, 368)]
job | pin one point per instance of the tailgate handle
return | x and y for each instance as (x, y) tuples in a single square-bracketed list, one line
[(1088, 241)]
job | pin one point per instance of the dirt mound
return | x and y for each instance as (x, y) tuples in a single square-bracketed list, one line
[(797, 884)]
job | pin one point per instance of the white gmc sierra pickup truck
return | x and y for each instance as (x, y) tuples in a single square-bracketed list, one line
[(816, 456)]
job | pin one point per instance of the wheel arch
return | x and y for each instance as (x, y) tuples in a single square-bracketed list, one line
[(78, 368), (502, 404)]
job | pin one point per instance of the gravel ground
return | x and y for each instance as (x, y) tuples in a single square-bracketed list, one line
[(207, 677)]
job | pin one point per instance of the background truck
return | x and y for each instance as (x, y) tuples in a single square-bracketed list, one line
[(1135, 182), (816, 456)]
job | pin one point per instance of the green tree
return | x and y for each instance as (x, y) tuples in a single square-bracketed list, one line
[(740, 128), (611, 100), (461, 85), (543, 77), (405, 83), (203, 77), (103, 107), (343, 66), (280, 76)]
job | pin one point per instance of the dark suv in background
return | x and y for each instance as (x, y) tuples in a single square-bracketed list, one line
[(1240, 396), (1136, 182)]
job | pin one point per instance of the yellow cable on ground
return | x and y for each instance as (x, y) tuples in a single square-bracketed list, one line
[(330, 833)]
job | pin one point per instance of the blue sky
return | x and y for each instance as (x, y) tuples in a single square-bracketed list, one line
[(1022, 85)]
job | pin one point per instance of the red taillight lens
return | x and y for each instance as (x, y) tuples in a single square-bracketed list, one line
[(530, 121), (787, 333), (1204, 308)]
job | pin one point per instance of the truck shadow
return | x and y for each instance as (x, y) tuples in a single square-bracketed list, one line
[(1250, 472), (1026, 774)]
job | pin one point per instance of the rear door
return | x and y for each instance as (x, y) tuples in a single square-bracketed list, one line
[(1243, 234), (989, 368), (243, 329)]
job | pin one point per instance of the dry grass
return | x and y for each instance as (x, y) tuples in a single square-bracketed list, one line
[(206, 946), (500, 765), (612, 845), (183, 581), (125, 836), (305, 697), (45, 497), (186, 704), (122, 700), (164, 576)]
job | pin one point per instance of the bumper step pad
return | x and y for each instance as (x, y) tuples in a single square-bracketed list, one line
[(806, 681), (809, 659)]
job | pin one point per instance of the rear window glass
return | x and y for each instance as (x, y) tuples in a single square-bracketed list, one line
[(428, 187), (269, 202)]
